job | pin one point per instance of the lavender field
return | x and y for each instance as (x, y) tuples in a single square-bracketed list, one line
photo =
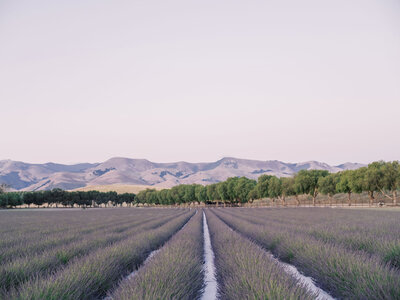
[(159, 253)]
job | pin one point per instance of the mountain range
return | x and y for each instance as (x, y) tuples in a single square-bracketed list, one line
[(119, 170)]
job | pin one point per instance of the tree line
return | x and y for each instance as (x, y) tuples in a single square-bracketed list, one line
[(382, 177), (59, 197)]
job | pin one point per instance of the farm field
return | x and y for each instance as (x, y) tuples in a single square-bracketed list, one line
[(159, 253)]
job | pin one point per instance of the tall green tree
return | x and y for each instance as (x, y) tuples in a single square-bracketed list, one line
[(306, 182), (200, 193), (163, 197), (222, 190), (372, 179), (391, 179), (288, 184), (327, 185), (262, 185), (231, 189), (275, 188), (189, 195), (212, 193), (243, 188), (253, 194), (344, 184)]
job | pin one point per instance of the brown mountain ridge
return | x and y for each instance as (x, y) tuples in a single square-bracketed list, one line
[(119, 170)]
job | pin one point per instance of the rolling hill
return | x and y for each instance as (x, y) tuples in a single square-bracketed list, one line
[(142, 172)]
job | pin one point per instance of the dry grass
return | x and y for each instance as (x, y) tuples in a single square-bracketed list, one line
[(119, 188)]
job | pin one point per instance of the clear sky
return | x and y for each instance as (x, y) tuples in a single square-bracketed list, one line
[(83, 81)]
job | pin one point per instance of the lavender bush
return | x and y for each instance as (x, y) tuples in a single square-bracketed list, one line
[(174, 273), (91, 275), (340, 271), (245, 271), (21, 269)]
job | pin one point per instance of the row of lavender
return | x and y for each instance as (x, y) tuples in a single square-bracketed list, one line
[(175, 272), (350, 253), (373, 232), (243, 269), (80, 263), (46, 230)]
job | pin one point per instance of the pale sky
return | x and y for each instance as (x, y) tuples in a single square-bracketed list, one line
[(87, 80)]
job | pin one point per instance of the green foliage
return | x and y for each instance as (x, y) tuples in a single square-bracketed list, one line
[(11, 199), (345, 182), (391, 175), (306, 181), (212, 193), (200, 193), (327, 184), (222, 190), (262, 185), (243, 188), (373, 177), (376, 177), (288, 186), (274, 187)]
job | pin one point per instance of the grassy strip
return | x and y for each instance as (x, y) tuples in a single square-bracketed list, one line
[(174, 273), (95, 274), (20, 270), (245, 271), (342, 273)]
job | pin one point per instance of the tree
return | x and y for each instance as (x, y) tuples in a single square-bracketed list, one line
[(111, 197), (391, 179), (327, 185), (189, 195), (129, 198), (38, 198), (371, 179), (85, 199), (212, 193), (3, 200), (28, 198), (222, 190), (253, 194), (141, 196), (10, 199), (175, 195), (231, 184), (54, 196), (274, 187), (163, 196), (68, 199), (350, 181), (200, 193), (243, 188), (306, 182), (344, 184), (288, 184), (262, 185), (180, 194), (151, 197)]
